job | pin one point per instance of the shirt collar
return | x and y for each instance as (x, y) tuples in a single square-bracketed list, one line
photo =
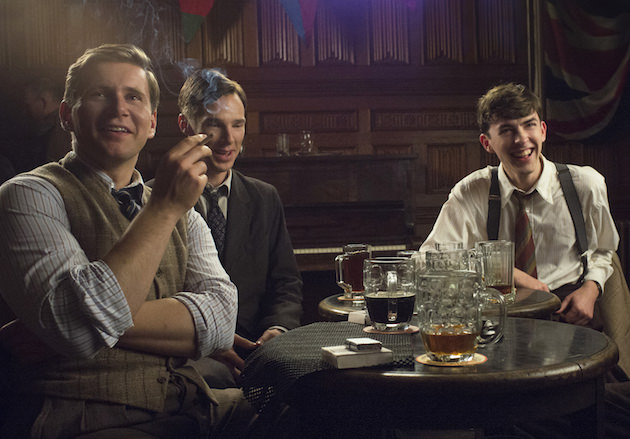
[(543, 186), (136, 177), (227, 183)]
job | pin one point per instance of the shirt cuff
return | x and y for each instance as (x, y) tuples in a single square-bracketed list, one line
[(279, 328)]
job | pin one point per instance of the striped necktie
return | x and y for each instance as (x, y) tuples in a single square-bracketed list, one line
[(524, 251), (216, 219), (129, 200)]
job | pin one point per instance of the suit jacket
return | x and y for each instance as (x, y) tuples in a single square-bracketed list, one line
[(259, 258)]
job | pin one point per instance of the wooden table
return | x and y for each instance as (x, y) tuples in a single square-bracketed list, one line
[(541, 369), (528, 303)]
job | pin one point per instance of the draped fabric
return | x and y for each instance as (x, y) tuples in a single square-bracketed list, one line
[(586, 57), (193, 15), (302, 15)]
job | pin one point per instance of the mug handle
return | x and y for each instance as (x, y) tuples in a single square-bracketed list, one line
[(347, 288), (392, 304), (491, 331)]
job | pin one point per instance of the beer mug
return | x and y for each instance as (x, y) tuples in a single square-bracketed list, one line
[(282, 144), (389, 292), (451, 312), (452, 259), (496, 259), (349, 270), (448, 245)]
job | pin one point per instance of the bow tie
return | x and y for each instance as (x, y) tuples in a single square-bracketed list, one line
[(129, 200)]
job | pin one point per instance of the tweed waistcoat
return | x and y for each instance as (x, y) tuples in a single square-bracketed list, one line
[(113, 375)]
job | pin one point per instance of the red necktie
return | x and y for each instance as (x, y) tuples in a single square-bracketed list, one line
[(524, 252)]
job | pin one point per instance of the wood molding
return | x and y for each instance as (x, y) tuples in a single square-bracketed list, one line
[(423, 120), (333, 121)]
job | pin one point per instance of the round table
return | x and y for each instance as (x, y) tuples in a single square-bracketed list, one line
[(528, 303), (541, 369)]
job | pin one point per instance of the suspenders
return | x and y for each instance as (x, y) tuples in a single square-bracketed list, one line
[(494, 205), (570, 195)]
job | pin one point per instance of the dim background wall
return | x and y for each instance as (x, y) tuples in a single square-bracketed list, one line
[(388, 77)]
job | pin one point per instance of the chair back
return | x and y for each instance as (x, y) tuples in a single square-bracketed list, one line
[(613, 312)]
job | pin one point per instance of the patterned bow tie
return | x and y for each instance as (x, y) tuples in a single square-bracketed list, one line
[(129, 200)]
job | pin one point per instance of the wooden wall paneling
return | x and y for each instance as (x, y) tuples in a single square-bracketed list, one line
[(279, 42), (443, 38), (331, 130), (28, 38), (294, 122), (251, 34), (497, 31), (334, 43), (224, 35), (6, 31), (469, 32), (194, 49), (391, 149), (446, 164), (389, 32), (170, 39), (435, 119)]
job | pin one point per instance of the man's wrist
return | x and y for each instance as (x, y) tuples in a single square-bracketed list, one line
[(600, 290), (598, 287)]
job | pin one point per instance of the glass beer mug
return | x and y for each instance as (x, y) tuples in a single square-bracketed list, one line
[(349, 270), (452, 313), (496, 259), (390, 295)]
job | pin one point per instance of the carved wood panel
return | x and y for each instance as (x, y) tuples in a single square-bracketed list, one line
[(423, 120), (496, 32), (279, 42), (443, 34), (346, 121), (446, 165), (335, 44), (390, 32)]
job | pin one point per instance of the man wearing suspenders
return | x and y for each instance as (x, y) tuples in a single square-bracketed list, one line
[(528, 195)]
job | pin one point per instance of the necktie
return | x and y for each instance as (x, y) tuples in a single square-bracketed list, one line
[(129, 200), (216, 220), (524, 252)]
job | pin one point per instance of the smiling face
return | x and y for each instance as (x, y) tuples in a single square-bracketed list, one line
[(518, 144), (112, 118), (224, 123)]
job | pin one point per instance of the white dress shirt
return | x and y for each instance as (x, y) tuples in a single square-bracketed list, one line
[(77, 305), (464, 215)]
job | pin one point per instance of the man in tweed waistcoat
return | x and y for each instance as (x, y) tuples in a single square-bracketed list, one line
[(102, 305)]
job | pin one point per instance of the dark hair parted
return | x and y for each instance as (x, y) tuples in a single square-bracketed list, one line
[(204, 87), (117, 53), (506, 101)]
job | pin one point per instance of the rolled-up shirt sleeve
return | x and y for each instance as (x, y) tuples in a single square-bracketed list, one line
[(75, 306), (601, 230), (209, 294)]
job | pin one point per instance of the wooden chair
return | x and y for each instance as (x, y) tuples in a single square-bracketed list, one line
[(613, 313)]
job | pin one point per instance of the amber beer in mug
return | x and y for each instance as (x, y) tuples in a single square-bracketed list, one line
[(445, 342), (349, 269), (452, 305)]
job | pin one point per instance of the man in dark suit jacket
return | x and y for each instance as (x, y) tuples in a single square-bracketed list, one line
[(248, 224)]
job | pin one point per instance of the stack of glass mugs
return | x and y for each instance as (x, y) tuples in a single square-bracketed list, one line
[(458, 307)]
